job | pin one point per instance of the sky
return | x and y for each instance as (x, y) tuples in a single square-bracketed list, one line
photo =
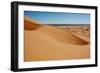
[(59, 17)]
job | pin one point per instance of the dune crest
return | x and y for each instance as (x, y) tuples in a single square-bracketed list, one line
[(30, 24)]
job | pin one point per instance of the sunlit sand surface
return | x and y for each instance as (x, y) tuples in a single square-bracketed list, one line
[(44, 42)]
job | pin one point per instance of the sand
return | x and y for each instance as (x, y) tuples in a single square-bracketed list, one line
[(46, 42), (80, 30), (28, 24)]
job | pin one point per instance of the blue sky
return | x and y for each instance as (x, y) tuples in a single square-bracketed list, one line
[(59, 17)]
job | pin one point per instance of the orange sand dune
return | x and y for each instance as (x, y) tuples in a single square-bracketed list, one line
[(29, 24), (50, 43), (62, 36)]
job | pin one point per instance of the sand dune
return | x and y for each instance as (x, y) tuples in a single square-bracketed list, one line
[(62, 36), (50, 43), (30, 24)]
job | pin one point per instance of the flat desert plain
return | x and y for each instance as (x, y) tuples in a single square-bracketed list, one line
[(44, 42)]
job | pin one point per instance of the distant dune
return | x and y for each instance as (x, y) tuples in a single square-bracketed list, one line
[(44, 42)]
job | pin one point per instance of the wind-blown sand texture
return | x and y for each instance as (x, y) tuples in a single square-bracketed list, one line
[(44, 42)]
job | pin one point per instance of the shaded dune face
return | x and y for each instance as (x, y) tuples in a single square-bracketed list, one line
[(30, 24)]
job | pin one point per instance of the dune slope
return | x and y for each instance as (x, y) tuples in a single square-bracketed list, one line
[(30, 24)]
